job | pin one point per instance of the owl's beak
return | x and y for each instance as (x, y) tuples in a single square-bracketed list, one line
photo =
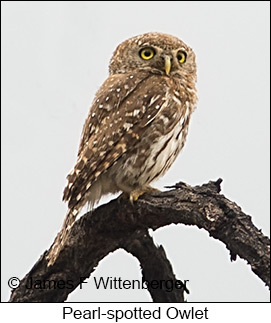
[(167, 60)]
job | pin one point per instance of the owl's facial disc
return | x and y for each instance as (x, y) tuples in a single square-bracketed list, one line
[(147, 53)]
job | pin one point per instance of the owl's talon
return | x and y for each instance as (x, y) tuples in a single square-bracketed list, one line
[(134, 195)]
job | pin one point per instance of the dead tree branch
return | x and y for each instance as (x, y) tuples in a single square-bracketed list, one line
[(119, 224)]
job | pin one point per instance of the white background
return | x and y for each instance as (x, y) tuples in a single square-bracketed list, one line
[(54, 58)]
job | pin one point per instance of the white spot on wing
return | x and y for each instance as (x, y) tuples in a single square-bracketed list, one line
[(176, 100), (187, 112), (181, 121), (164, 118), (136, 112), (154, 98), (127, 125)]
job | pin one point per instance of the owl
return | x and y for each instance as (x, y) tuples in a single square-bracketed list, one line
[(136, 126)]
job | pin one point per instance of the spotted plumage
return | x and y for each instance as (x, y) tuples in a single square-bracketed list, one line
[(136, 126)]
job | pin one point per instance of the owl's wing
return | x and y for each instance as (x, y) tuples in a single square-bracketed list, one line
[(106, 104), (122, 110)]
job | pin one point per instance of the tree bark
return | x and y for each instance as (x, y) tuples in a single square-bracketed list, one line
[(119, 224)]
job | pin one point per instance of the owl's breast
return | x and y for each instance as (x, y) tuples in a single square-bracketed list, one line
[(156, 150)]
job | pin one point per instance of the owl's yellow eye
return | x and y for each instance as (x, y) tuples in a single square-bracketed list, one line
[(181, 57), (147, 53)]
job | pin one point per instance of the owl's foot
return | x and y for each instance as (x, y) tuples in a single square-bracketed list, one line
[(135, 194)]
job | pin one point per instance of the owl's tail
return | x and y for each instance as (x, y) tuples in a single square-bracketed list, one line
[(62, 236)]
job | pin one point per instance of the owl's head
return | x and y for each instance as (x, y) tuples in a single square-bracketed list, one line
[(154, 52)]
